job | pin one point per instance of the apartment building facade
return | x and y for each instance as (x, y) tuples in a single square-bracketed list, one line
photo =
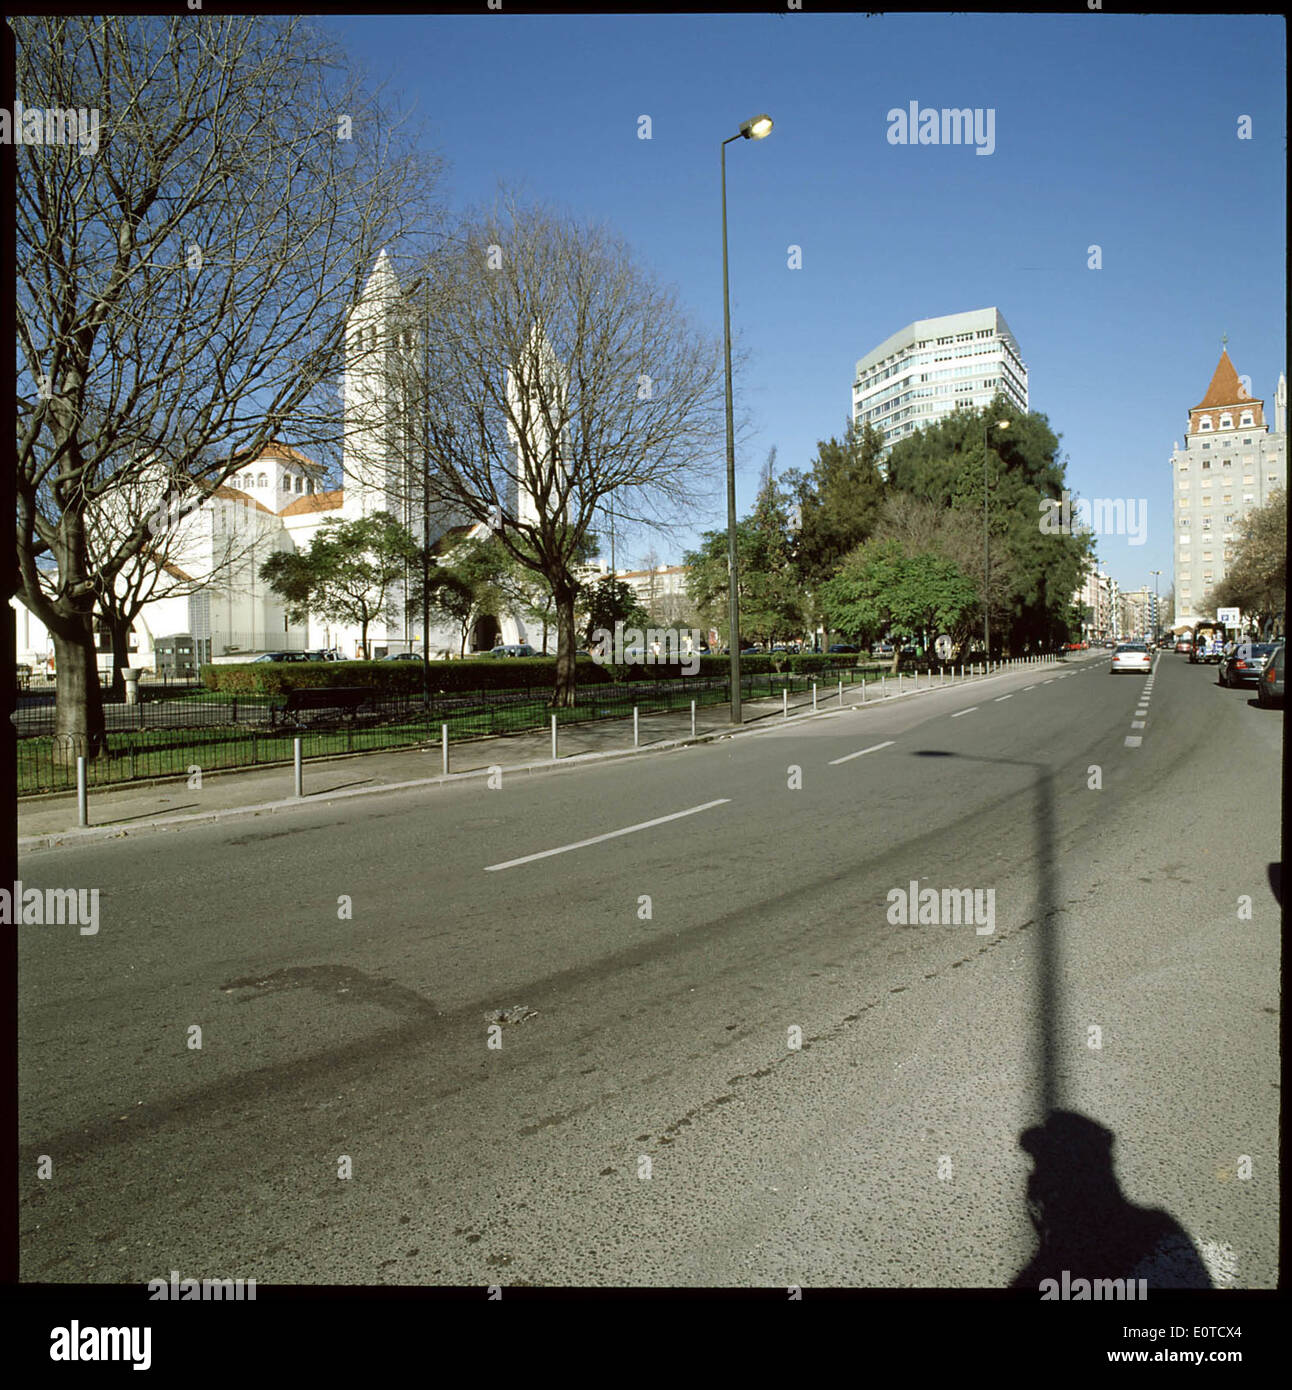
[(1231, 463), (935, 366)]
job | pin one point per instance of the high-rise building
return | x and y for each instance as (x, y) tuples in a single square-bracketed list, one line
[(935, 366), (1231, 464)]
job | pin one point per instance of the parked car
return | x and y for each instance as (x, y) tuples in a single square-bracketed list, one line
[(1244, 663), (880, 649), (1269, 689), (328, 654), (1130, 656), (845, 649), (1184, 646), (403, 656), (514, 649), (280, 656)]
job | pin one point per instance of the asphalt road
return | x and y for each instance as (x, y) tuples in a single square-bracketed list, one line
[(648, 1118)]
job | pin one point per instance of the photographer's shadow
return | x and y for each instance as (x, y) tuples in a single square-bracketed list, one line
[(1086, 1226)]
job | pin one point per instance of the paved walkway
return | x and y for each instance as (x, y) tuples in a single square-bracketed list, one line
[(45, 820)]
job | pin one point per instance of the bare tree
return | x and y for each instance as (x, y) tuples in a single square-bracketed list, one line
[(555, 372), (182, 294)]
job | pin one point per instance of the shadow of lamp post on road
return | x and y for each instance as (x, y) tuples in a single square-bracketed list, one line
[(1085, 1226)]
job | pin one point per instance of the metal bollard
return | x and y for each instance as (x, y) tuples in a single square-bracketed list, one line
[(554, 738), (814, 697), (899, 682), (863, 693), (785, 703), (882, 693), (297, 775), (82, 800), (444, 747), (636, 729), (692, 718)]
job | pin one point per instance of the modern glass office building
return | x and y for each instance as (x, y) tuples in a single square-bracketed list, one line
[(934, 366)]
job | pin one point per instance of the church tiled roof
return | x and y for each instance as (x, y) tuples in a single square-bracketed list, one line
[(224, 490), (314, 502)]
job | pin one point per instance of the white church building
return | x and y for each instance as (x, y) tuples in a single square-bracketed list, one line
[(209, 587)]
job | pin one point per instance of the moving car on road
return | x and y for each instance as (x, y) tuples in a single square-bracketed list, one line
[(1130, 656), (1269, 689), (1245, 664)]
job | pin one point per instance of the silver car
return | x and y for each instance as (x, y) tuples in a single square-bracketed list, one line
[(1132, 657)]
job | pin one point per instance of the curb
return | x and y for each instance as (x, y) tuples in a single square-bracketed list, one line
[(67, 839)]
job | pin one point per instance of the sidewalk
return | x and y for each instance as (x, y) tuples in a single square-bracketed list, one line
[(44, 821)]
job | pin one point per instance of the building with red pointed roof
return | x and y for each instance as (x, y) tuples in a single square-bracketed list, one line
[(1231, 463)]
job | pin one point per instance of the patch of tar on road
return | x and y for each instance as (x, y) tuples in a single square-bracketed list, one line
[(341, 983), (825, 1036)]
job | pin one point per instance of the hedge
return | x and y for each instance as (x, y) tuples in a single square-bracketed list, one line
[(497, 673)]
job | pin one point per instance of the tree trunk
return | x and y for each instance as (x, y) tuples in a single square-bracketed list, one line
[(363, 639), (564, 695), (119, 628), (79, 728)]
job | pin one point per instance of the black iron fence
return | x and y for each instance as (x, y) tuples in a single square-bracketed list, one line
[(186, 730)]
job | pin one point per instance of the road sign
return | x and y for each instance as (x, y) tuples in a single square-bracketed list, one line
[(1231, 617), (944, 646)]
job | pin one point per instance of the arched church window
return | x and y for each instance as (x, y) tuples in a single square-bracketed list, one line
[(287, 483), (263, 480), (300, 484), (309, 484)]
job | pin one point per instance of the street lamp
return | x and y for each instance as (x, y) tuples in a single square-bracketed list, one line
[(986, 542), (756, 128)]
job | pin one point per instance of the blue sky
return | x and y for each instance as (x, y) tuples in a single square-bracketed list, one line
[(1110, 130)]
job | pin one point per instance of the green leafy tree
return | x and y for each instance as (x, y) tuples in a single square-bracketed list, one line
[(838, 501), (1033, 571), (610, 601), (881, 588), (348, 574), (771, 603)]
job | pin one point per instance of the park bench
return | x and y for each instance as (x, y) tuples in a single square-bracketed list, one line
[(345, 700)]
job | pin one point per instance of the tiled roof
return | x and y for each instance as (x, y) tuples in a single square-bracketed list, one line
[(224, 490), (314, 502), (285, 451), (1225, 388)]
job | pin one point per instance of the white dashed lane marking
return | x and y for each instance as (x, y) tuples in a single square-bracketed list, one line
[(970, 710), (609, 835), (874, 748)]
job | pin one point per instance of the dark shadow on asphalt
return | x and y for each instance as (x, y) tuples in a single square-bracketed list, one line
[(1083, 1222), (1275, 873), (150, 815)]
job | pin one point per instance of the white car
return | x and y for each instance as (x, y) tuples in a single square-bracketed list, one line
[(1132, 657)]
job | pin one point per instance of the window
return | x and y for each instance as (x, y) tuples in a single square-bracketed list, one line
[(1205, 446), (287, 483), (1204, 423), (300, 487), (309, 487), (1226, 423), (1246, 419), (264, 482)]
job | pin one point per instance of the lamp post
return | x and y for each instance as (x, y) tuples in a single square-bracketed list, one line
[(986, 542), (756, 128)]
